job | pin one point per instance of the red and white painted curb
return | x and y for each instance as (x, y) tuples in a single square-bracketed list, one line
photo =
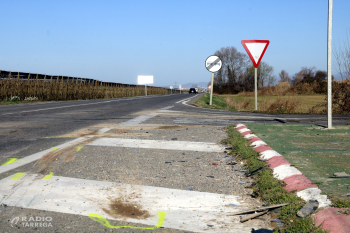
[(295, 180)]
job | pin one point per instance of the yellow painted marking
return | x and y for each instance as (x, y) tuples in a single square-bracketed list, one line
[(47, 137), (11, 160), (23, 161), (79, 148), (17, 175), (48, 176), (103, 221), (54, 148)]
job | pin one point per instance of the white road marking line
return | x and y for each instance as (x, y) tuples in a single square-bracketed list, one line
[(103, 102), (158, 144), (185, 210), (138, 120), (36, 156), (165, 108), (44, 109), (188, 99), (183, 100)]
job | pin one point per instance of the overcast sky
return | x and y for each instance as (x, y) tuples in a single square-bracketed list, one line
[(116, 41)]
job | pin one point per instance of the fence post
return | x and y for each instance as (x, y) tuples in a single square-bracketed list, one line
[(44, 84), (36, 81), (67, 87), (28, 84), (17, 85)]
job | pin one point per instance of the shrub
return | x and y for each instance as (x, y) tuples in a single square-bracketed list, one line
[(284, 105), (31, 99), (340, 99), (15, 98)]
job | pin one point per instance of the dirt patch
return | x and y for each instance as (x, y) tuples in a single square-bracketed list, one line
[(344, 211), (125, 207), (171, 127), (69, 157), (44, 164)]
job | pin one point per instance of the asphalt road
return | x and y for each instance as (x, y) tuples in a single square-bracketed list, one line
[(94, 166)]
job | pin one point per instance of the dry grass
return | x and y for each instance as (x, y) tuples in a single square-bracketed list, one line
[(279, 89), (279, 104), (49, 89)]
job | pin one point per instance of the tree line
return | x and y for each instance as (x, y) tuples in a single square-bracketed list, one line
[(237, 72)]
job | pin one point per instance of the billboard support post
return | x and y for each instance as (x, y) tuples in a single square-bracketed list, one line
[(143, 79)]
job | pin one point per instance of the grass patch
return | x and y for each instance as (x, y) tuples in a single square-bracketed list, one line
[(8, 102), (267, 104), (218, 102), (269, 189), (316, 152)]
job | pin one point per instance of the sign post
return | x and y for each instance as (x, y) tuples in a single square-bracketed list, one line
[(256, 50), (213, 64), (171, 89), (180, 88), (142, 79)]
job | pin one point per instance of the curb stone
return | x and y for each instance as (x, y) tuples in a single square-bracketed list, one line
[(329, 217)]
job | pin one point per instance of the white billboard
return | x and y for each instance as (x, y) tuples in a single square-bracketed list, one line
[(145, 79)]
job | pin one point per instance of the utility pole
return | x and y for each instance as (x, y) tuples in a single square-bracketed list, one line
[(329, 67)]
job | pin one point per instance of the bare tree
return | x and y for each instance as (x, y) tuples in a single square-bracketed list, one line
[(265, 74), (308, 72), (233, 65), (342, 57), (304, 73), (284, 77)]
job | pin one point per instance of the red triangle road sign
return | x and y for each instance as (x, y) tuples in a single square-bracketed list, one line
[(255, 49)]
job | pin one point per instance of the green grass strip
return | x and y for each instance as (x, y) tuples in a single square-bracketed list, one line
[(269, 189), (9, 161)]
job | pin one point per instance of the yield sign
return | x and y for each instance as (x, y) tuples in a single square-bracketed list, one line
[(255, 49)]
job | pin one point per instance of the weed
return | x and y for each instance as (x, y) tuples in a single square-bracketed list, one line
[(341, 203), (269, 189), (340, 100)]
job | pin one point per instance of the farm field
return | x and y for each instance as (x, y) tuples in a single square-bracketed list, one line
[(271, 104)]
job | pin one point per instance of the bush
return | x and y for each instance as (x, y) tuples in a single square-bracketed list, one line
[(31, 99), (285, 105), (340, 99), (15, 98)]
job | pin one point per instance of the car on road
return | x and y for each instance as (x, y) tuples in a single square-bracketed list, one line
[(192, 90)]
